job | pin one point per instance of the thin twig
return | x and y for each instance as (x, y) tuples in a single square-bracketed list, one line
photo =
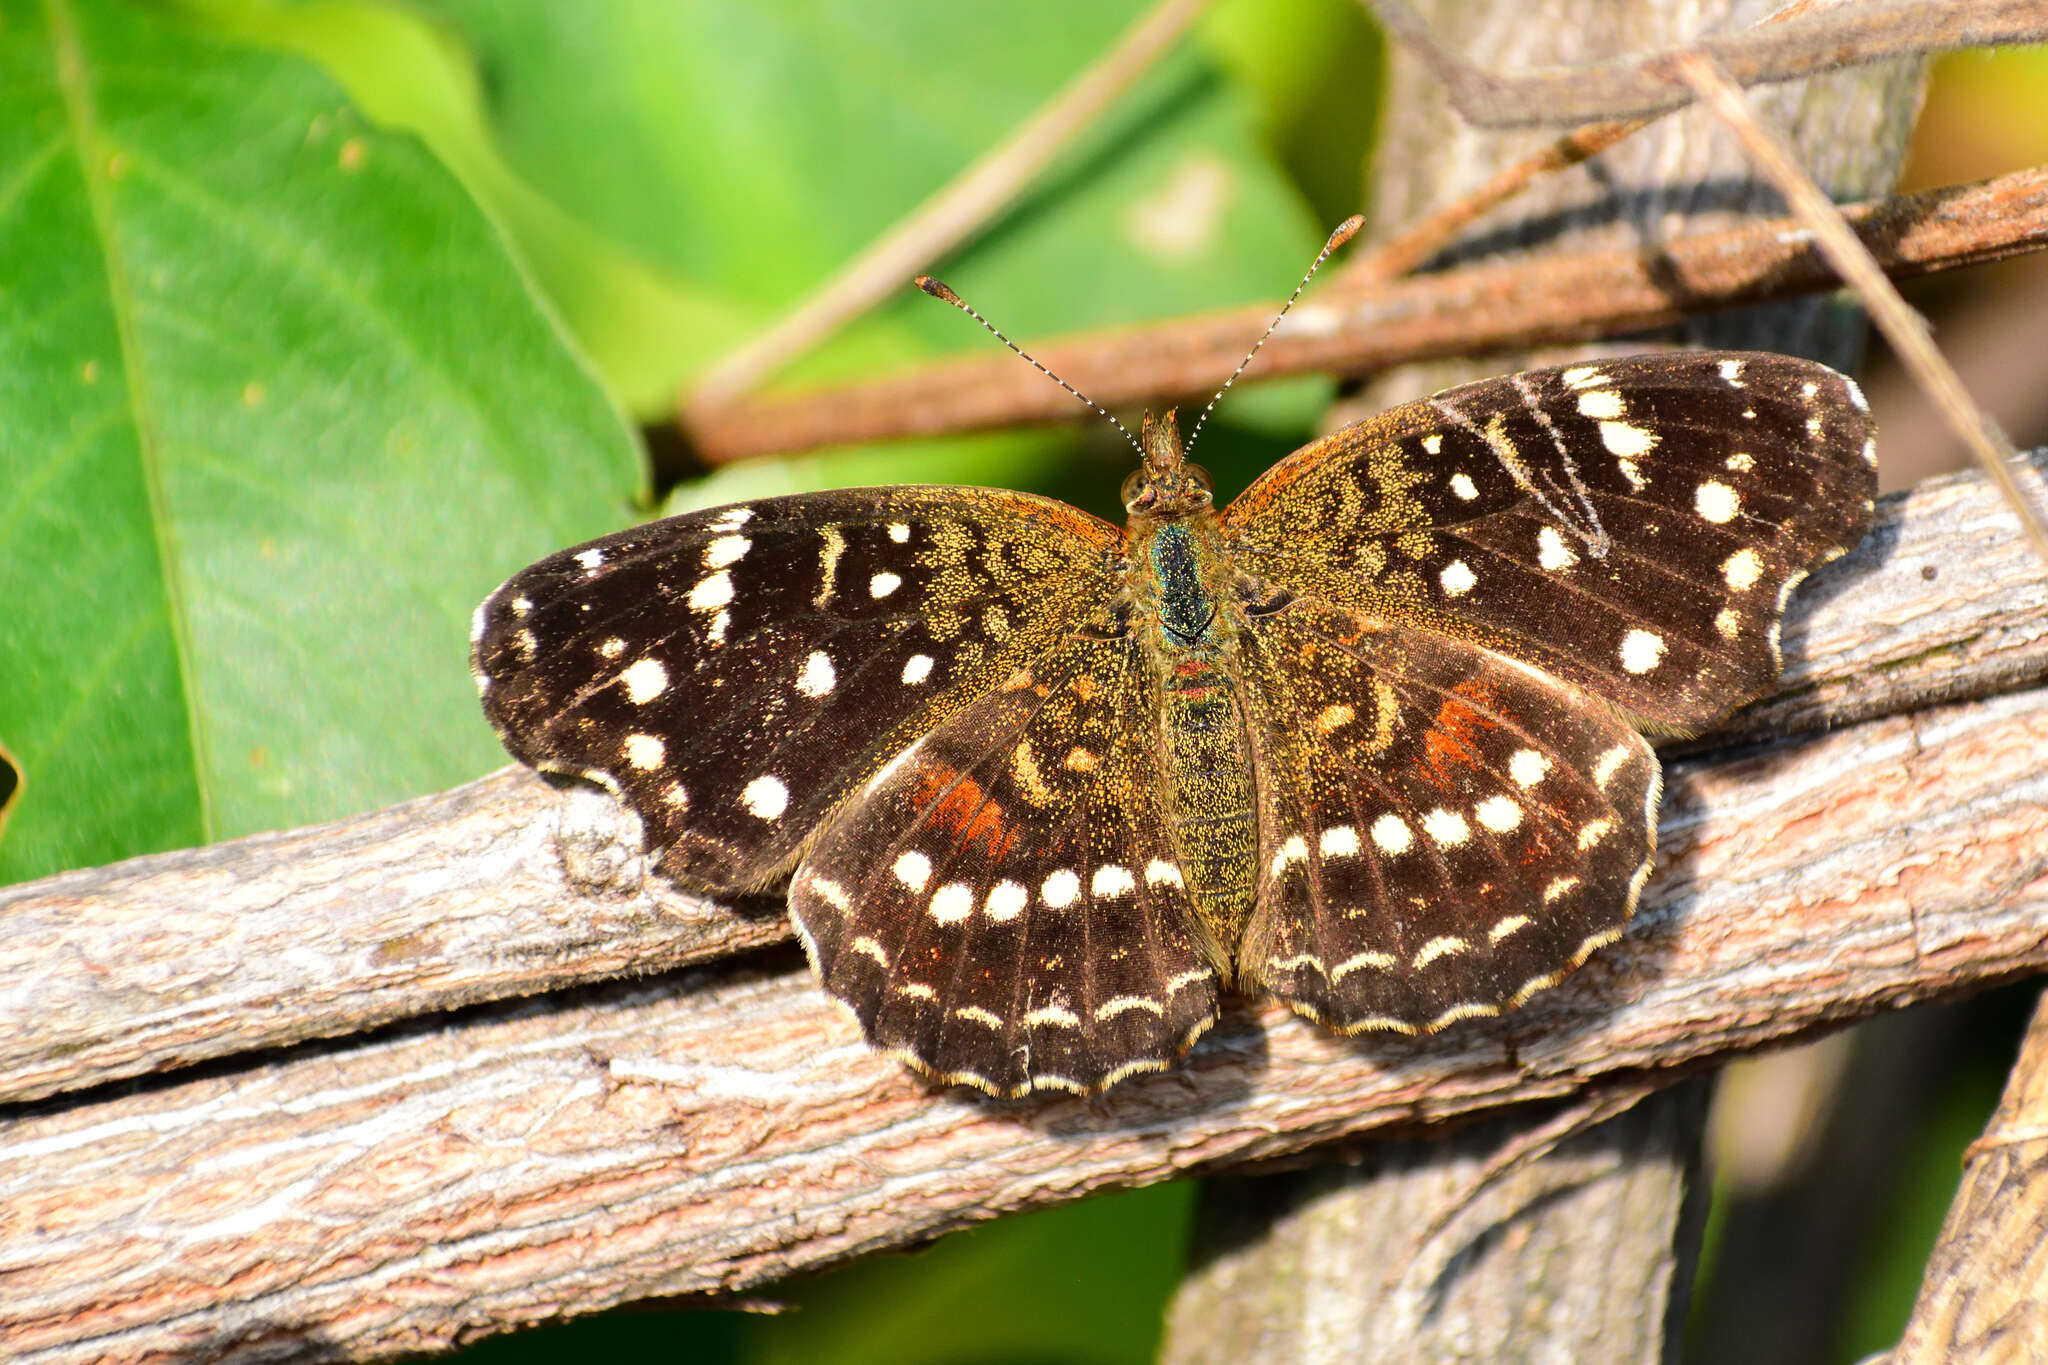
[(950, 216), (1901, 326), (1350, 330)]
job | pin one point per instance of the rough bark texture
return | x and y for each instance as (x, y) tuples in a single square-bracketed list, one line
[(1580, 1262), (509, 887), (1985, 1297)]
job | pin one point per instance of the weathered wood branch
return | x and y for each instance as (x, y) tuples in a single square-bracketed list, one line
[(720, 1127), (509, 887), (1982, 1296), (1528, 301), (1639, 85)]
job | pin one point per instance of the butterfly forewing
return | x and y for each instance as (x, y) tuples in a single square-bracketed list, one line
[(1633, 526), (1000, 907), (1447, 831), (733, 674)]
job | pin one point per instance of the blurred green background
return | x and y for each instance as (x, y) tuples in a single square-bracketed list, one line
[(319, 319)]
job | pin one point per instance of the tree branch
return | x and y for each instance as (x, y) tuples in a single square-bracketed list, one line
[(1525, 302), (717, 1128)]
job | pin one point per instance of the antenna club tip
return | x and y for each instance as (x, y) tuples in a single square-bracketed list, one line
[(1346, 230), (938, 290)]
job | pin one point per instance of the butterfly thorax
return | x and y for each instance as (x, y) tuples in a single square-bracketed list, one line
[(1184, 620)]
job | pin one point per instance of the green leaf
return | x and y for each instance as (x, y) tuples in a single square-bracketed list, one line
[(278, 410), (746, 152), (1084, 1284)]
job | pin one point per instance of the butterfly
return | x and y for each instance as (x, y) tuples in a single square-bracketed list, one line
[(1370, 738)]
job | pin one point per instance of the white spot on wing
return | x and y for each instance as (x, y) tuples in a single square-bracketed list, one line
[(1609, 763), (1458, 578), (1391, 834), (1641, 650), (726, 550), (917, 668), (765, 797), (1295, 850), (1447, 827), (644, 752), (1462, 485), (1339, 841), (1061, 889), (590, 560), (1583, 376), (1111, 880), (1159, 872), (1856, 394), (1742, 569), (898, 532), (952, 902), (1433, 444), (913, 869), (882, 584), (1006, 901), (1527, 767), (1627, 439), (818, 676), (1498, 813), (712, 592), (1551, 551), (644, 681), (1731, 371), (1716, 501), (1602, 404)]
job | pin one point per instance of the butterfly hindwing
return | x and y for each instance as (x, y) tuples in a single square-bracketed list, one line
[(1633, 526), (1000, 907), (733, 674), (1446, 831)]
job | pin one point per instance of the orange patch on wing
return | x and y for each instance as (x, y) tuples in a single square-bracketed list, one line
[(957, 803), (1449, 744)]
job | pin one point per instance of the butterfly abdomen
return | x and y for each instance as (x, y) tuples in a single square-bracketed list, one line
[(1210, 801)]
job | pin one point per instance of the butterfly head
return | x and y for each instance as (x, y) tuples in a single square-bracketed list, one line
[(1165, 484)]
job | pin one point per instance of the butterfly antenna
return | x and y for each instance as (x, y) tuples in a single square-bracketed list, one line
[(1346, 230), (939, 290)]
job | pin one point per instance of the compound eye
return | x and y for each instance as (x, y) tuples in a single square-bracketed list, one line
[(1199, 477), (1134, 484)]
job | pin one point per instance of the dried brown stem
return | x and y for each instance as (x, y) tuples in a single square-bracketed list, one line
[(1800, 45), (509, 887), (1411, 246), (1520, 303), (951, 216)]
